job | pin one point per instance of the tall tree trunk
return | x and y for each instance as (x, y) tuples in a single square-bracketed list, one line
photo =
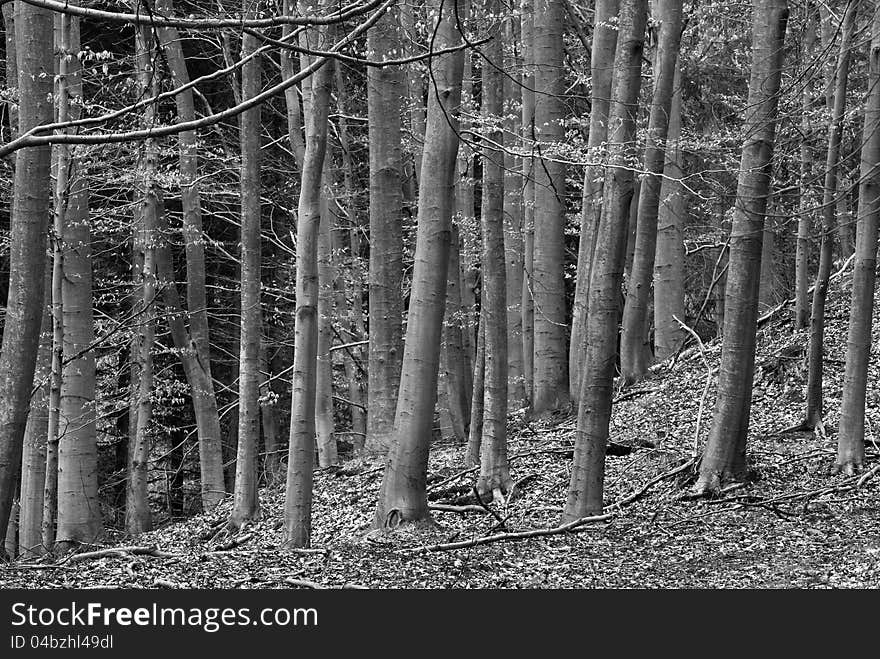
[(27, 246), (384, 97), (494, 477), (724, 454), (548, 284), (351, 285), (602, 69), (468, 225), (198, 346), (832, 159), (137, 507), (635, 343), (298, 495), (402, 496), (805, 217), (594, 409), (324, 426), (475, 430), (527, 24), (669, 335), (851, 437), (514, 256), (79, 510), (246, 499)]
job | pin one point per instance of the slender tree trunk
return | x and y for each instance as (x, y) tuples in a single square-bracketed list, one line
[(548, 284), (602, 68), (384, 97), (468, 223), (527, 23), (351, 285), (50, 489), (27, 246), (298, 496), (514, 256), (457, 363), (724, 454), (137, 507), (270, 416), (494, 477), (402, 495), (832, 160), (246, 500), (635, 342), (475, 431), (324, 426), (805, 218), (851, 437), (199, 375), (669, 335), (79, 510), (594, 409)]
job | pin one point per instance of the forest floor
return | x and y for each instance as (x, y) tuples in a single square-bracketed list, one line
[(794, 524)]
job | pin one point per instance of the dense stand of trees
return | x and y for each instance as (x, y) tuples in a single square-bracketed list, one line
[(397, 221)]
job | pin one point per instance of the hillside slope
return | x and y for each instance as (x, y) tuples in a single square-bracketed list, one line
[(792, 525)]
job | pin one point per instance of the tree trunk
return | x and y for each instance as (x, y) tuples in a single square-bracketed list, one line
[(635, 343), (851, 437), (820, 290), (324, 426), (246, 500), (548, 284), (724, 454), (527, 24), (27, 246), (456, 361), (494, 480), (403, 496), (514, 256), (475, 431), (199, 375), (298, 495), (468, 225), (669, 335), (594, 409), (602, 68), (805, 218), (350, 285), (384, 96), (33, 460), (270, 414), (79, 510)]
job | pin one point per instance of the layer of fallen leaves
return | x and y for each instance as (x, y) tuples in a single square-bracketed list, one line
[(792, 524)]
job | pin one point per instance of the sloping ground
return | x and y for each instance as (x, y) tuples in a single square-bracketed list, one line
[(792, 525)]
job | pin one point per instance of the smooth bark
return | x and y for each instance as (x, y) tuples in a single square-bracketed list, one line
[(724, 454)]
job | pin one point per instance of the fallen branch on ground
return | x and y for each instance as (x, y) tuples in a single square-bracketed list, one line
[(116, 552), (570, 527)]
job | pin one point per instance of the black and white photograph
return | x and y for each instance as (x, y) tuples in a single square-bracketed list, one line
[(308, 297)]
